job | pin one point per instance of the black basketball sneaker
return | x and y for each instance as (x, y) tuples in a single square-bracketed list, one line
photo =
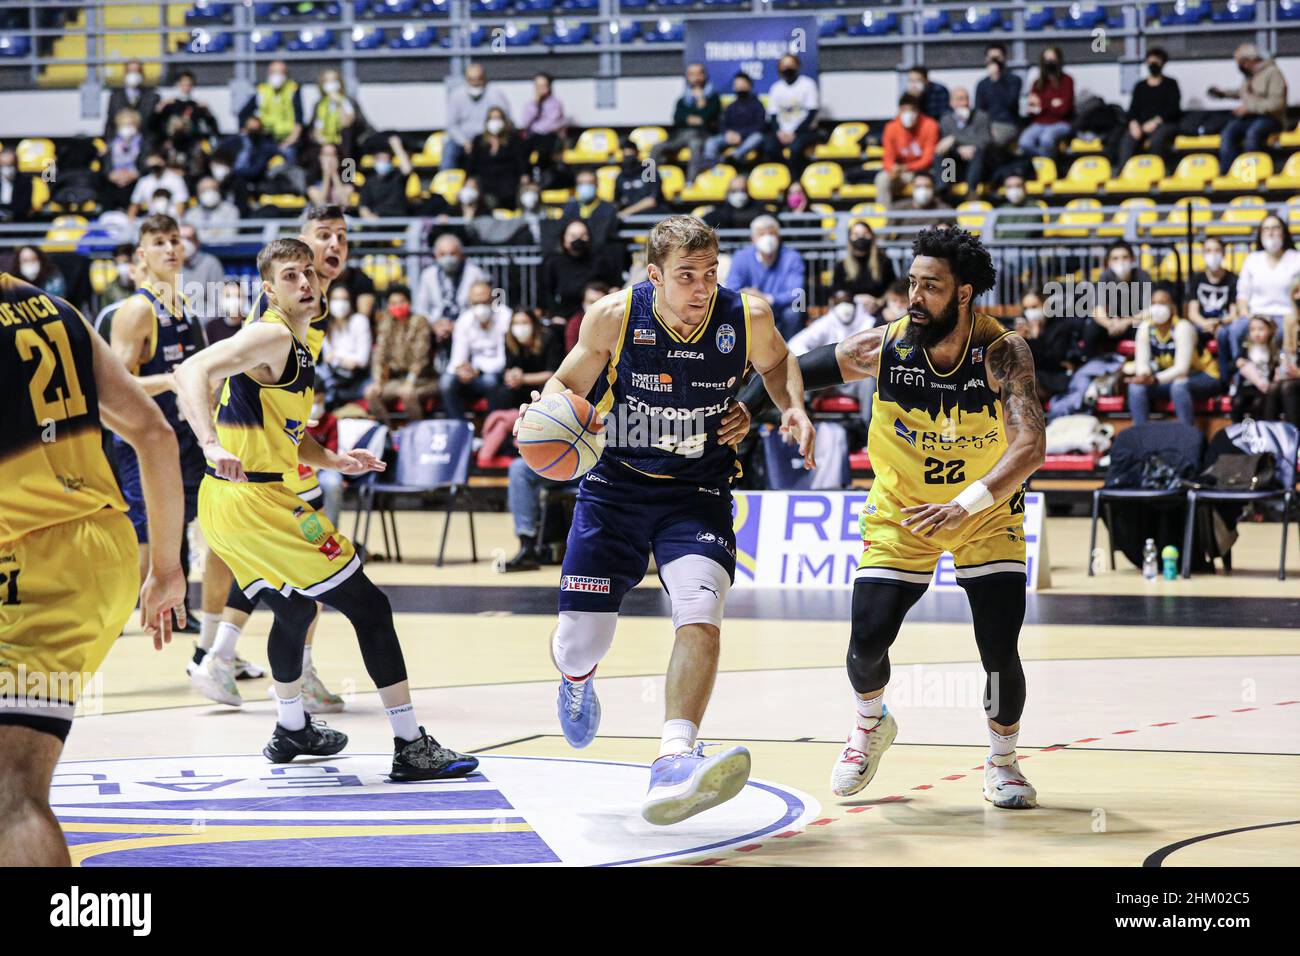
[(314, 740), (426, 759)]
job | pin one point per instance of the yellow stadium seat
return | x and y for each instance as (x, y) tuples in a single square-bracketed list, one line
[(1080, 145), (1247, 172), (505, 213), (1085, 177), (34, 155), (556, 197), (289, 201), (1078, 220), (64, 233), (431, 155), (1044, 175), (671, 182), (970, 215), (102, 274), (1241, 219), (1291, 138), (413, 187), (845, 142), (699, 212), (383, 271), (606, 180), (647, 138), (1289, 177), (768, 180), (822, 180), (40, 193), (873, 214), (865, 190), (447, 184), (828, 212), (710, 185), (1138, 175), (1118, 225), (1192, 174), (1185, 143), (596, 145), (1176, 224)]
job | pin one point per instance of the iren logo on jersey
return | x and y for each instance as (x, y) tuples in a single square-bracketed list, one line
[(577, 582), (902, 431)]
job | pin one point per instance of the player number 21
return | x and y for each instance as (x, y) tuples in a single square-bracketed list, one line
[(33, 344), (945, 472)]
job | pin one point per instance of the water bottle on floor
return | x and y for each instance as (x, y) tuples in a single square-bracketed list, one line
[(1150, 569), (1169, 562)]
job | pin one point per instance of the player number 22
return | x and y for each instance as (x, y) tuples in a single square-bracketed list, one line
[(33, 344), (945, 472)]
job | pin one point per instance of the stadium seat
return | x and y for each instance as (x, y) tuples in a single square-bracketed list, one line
[(265, 41), (102, 274), (1291, 138), (40, 193), (1246, 173), (873, 23), (1080, 219), (1138, 175), (1288, 10), (204, 11), (628, 31), (309, 41), (1293, 215), (934, 21), (1242, 219), (971, 214), (534, 6), (517, 36), (671, 182), (1082, 16), (447, 184), (606, 181), (1187, 13), (412, 37), (1237, 11), (1081, 145), (873, 214), (845, 142), (14, 45), (203, 42), (556, 197), (383, 271), (34, 155), (431, 155), (827, 26), (1044, 175), (1176, 224), (1194, 172), (1084, 178), (768, 180), (978, 20), (822, 180), (414, 188), (1289, 177), (64, 234), (646, 138), (665, 31), (1039, 17), (867, 190), (710, 185), (594, 146), (1118, 225), (565, 35), (392, 8)]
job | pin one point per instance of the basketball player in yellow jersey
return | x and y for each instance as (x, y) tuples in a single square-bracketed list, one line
[(68, 572), (215, 667), (277, 545), (956, 429)]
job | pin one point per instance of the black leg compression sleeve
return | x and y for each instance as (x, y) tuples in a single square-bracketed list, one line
[(284, 645), (240, 601), (878, 612), (997, 607), (367, 608)]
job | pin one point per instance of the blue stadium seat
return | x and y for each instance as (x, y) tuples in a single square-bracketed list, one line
[(780, 4), (565, 35), (728, 3), (308, 41), (489, 6), (873, 24), (1079, 17), (628, 31), (535, 6), (665, 32), (522, 36), (263, 11), (979, 20), (203, 42), (367, 38), (572, 5), (435, 8), (828, 26), (204, 11), (934, 22), (14, 44), (360, 8), (1237, 11), (265, 41), (477, 37), (412, 37), (1288, 10), (1187, 13), (1039, 18), (633, 4), (392, 8)]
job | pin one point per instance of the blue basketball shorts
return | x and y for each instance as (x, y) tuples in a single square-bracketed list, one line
[(128, 476)]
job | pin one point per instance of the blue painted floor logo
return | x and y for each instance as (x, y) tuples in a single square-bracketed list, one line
[(242, 811)]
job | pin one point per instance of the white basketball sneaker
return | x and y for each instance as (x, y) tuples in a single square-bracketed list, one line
[(214, 678), (855, 768), (1005, 786)]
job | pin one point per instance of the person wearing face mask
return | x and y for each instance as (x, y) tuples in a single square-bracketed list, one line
[(120, 167), (792, 105), (123, 283), (345, 354), (159, 177), (336, 118), (234, 308), (1054, 342), (695, 119), (933, 96), (329, 189), (1118, 301), (1154, 111), (865, 271), (909, 143), (542, 122), (924, 208), (1019, 219), (533, 352), (743, 126), (1169, 363), (383, 194), (998, 96), (1261, 111), (468, 105), (1266, 286), (478, 352), (1051, 103), (740, 210), (566, 273), (774, 272), (182, 122), (15, 190), (213, 216), (443, 292), (496, 159), (636, 193), (400, 364), (795, 199), (600, 216), (134, 94), (277, 104), (37, 268), (965, 138), (1212, 298)]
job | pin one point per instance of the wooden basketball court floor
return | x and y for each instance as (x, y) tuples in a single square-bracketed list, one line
[(1162, 728)]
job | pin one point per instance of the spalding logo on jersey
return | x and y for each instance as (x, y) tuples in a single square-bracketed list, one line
[(725, 339)]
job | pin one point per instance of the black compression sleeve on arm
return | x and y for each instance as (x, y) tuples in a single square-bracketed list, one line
[(754, 395), (820, 369)]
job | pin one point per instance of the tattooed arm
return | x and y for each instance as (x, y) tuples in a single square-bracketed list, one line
[(859, 355)]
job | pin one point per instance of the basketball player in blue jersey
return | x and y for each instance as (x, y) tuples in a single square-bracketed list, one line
[(152, 333), (662, 361)]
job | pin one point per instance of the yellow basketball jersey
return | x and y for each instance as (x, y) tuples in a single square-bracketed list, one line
[(263, 424), (52, 464), (1164, 346), (933, 433)]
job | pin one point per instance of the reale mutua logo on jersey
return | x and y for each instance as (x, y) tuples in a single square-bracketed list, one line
[(902, 431)]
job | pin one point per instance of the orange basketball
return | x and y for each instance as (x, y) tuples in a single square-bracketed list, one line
[(560, 436)]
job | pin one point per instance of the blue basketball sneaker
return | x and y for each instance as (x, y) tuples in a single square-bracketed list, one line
[(682, 785), (579, 710)]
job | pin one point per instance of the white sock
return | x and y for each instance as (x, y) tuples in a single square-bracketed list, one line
[(870, 713), (405, 726), (208, 629), (678, 738), (306, 657), (1000, 746), (227, 638), (291, 715)]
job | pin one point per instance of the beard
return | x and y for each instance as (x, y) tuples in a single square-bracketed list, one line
[(936, 328)]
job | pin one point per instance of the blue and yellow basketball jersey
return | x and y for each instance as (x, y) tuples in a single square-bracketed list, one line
[(52, 464), (663, 396), (1164, 347), (264, 424), (171, 342)]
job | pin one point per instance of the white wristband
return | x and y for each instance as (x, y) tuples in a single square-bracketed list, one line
[(975, 498)]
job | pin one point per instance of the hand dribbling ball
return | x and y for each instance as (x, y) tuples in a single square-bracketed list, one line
[(560, 436)]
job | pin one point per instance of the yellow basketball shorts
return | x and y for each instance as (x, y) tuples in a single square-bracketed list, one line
[(271, 538), (991, 542), (66, 592)]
